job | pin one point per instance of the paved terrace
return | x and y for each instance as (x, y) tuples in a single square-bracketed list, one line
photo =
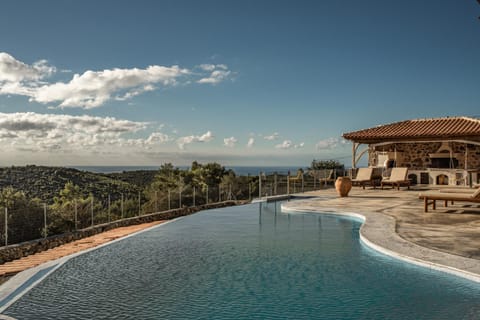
[(445, 236)]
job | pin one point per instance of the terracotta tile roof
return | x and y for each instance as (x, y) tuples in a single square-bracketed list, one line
[(436, 128)]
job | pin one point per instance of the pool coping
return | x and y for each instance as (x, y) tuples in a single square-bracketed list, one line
[(378, 232), (24, 281)]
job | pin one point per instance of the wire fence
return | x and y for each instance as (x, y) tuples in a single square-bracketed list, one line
[(29, 219)]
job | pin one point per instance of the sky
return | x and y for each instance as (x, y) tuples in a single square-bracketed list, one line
[(237, 82)]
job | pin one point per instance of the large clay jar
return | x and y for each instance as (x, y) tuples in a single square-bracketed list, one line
[(343, 186)]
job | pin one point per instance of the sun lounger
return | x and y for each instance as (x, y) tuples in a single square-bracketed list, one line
[(397, 178), (430, 198), (323, 176), (364, 176), (457, 190)]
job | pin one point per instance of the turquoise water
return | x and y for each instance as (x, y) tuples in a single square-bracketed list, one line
[(247, 262)]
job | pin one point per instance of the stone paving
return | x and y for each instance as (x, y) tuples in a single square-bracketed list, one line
[(396, 219), (10, 268)]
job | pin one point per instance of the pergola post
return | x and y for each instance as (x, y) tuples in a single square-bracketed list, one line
[(354, 155)]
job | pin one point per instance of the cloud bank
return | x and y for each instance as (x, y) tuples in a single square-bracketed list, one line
[(43, 132), (92, 89)]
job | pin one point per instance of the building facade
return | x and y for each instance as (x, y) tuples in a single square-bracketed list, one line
[(439, 151)]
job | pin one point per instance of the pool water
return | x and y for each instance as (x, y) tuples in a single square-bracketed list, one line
[(247, 262)]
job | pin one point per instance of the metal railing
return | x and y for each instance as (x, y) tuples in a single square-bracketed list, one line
[(29, 219)]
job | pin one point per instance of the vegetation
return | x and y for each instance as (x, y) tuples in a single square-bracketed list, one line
[(72, 198), (326, 164), (55, 200), (25, 216), (45, 183)]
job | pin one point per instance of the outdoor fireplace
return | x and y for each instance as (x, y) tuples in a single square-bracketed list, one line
[(444, 163), (444, 158)]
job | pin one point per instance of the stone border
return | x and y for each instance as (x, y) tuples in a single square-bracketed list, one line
[(378, 233)]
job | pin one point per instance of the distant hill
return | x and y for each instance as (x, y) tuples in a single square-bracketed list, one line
[(46, 182), (139, 178)]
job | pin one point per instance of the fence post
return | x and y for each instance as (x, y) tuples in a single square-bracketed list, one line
[(194, 196), (260, 185), (156, 201), (45, 220), (6, 226), (314, 182), (91, 205), (109, 207), (121, 206), (303, 184), (76, 215), (169, 207), (275, 184), (179, 197), (139, 204), (288, 183)]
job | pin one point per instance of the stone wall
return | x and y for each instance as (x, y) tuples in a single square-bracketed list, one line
[(416, 155), (24, 249)]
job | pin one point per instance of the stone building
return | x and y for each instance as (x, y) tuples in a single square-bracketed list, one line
[(439, 151)]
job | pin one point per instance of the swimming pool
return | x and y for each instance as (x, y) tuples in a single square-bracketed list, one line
[(247, 262)]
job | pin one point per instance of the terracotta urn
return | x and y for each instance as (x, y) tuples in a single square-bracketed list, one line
[(343, 186)]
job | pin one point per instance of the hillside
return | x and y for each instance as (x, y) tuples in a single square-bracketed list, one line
[(139, 178), (46, 182)]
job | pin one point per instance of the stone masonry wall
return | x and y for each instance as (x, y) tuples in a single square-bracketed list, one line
[(416, 155)]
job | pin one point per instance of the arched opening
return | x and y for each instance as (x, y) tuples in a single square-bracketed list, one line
[(442, 179), (413, 178)]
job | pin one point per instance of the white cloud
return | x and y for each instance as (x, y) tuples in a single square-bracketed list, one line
[(134, 93), (13, 70), (206, 137), (328, 143), (207, 67), (286, 144), (218, 73), (273, 136), (40, 132), (229, 142), (251, 142), (157, 137), (92, 89)]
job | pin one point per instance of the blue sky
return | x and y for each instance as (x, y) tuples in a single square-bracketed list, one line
[(148, 82)]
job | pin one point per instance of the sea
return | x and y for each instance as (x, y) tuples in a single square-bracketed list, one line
[(239, 170)]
